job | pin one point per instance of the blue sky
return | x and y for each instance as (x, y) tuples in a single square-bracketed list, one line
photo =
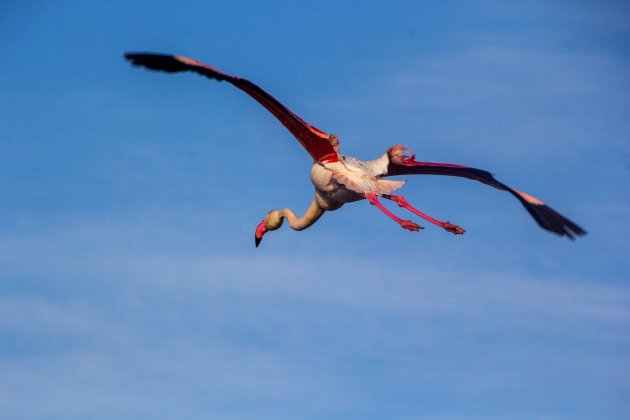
[(129, 282)]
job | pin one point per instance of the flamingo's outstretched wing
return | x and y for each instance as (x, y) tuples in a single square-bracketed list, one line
[(317, 143), (546, 217)]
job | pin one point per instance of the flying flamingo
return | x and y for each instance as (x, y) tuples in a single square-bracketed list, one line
[(340, 179)]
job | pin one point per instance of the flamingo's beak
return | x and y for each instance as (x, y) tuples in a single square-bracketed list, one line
[(261, 229)]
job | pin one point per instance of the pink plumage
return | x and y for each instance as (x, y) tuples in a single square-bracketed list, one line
[(339, 179)]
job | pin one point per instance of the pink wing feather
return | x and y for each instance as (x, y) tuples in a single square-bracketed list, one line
[(316, 142), (546, 217)]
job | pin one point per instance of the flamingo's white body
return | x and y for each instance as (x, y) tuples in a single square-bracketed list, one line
[(350, 179), (340, 179)]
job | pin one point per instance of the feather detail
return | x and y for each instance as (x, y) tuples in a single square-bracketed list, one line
[(374, 168), (362, 184), (320, 145)]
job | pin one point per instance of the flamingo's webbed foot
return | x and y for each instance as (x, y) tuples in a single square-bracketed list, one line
[(409, 225), (454, 229)]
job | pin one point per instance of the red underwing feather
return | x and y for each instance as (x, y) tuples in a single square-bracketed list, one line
[(316, 142)]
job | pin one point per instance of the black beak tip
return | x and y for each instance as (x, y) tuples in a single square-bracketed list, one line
[(257, 240)]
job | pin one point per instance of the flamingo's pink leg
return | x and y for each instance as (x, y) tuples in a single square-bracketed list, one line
[(402, 202), (407, 224)]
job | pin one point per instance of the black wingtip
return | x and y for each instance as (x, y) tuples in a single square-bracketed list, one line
[(553, 221), (136, 58), (138, 55), (162, 62)]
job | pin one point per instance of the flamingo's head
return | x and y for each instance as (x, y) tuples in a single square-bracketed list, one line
[(399, 153), (272, 221)]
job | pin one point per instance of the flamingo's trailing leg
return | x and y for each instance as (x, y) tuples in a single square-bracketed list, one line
[(402, 202), (407, 224)]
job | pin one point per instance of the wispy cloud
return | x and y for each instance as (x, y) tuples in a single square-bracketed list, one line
[(129, 284), (276, 330)]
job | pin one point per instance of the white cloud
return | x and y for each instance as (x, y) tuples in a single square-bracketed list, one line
[(267, 330)]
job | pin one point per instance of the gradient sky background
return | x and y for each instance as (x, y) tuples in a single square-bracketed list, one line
[(129, 282)]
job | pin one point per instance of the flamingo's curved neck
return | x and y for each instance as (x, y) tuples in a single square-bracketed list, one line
[(312, 214)]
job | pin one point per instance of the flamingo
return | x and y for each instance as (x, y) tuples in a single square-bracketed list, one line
[(340, 179)]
